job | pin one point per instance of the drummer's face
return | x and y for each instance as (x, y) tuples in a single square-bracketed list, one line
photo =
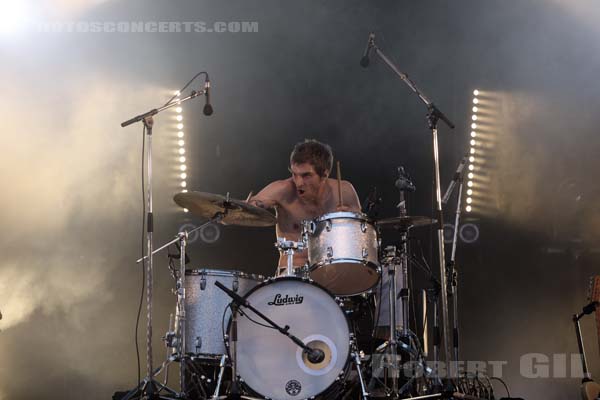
[(306, 180)]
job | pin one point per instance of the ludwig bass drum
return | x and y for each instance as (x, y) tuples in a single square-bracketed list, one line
[(273, 366)]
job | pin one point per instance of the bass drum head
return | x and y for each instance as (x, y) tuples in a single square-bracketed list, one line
[(269, 363)]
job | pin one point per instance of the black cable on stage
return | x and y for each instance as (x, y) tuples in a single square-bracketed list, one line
[(256, 322), (504, 383), (223, 322), (186, 85), (137, 320)]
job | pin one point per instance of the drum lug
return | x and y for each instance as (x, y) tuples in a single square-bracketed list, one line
[(198, 344), (202, 282), (365, 253), (328, 225), (330, 253), (236, 284), (363, 227)]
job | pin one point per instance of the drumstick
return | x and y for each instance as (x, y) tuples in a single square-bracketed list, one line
[(339, 179), (249, 196)]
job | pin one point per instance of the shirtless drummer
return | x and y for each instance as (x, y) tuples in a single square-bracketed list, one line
[(307, 194)]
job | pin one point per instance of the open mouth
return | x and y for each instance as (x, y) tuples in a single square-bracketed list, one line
[(301, 192)]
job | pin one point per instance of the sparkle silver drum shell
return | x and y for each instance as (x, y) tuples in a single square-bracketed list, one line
[(205, 304), (342, 252), (273, 366)]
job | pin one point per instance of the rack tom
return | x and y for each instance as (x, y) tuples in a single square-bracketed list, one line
[(342, 252)]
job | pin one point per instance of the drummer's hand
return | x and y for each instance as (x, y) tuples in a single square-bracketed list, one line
[(343, 208)]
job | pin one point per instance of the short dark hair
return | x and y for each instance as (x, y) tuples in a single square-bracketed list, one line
[(311, 151)]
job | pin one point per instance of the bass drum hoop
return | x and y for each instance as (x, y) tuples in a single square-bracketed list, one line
[(336, 385)]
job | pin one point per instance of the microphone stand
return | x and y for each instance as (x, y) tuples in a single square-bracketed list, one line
[(241, 302), (148, 386), (451, 265), (434, 114)]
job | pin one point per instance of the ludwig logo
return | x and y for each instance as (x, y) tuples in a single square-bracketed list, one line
[(293, 387), (279, 300)]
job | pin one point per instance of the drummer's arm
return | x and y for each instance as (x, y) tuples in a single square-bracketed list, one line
[(269, 197), (350, 198)]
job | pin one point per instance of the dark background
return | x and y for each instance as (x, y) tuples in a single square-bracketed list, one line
[(71, 208)]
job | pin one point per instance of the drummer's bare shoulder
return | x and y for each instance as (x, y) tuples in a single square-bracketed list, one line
[(275, 194), (349, 195)]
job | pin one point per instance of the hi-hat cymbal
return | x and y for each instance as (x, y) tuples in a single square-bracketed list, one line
[(235, 212), (404, 223)]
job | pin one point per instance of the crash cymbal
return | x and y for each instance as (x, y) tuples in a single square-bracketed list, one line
[(236, 212), (404, 223)]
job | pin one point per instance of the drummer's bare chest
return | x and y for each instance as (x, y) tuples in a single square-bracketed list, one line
[(290, 216)]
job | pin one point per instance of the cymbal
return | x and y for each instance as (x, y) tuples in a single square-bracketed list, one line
[(405, 223), (235, 212)]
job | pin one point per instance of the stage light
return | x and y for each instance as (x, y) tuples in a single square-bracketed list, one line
[(176, 93), (469, 200), (179, 118), (182, 167), (14, 16), (470, 175), (471, 167), (473, 125), (474, 117), (475, 109), (468, 208), (181, 143), (182, 159), (183, 175), (470, 192), (183, 184), (180, 126), (180, 134), (475, 101), (470, 184), (178, 110), (185, 209), (473, 142), (471, 159), (475, 92), (184, 191), (472, 151), (182, 151), (473, 134)]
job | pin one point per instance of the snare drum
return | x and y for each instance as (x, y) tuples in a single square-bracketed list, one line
[(205, 305), (342, 252), (273, 366)]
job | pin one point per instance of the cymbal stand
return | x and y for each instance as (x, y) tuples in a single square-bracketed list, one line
[(289, 247), (404, 184), (148, 386), (391, 261), (452, 274), (434, 114)]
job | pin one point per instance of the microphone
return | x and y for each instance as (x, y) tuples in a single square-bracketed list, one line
[(404, 183), (588, 309), (315, 356), (208, 110), (456, 178), (364, 61), (370, 206)]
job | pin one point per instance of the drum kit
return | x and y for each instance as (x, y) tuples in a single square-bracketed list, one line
[(296, 336), (337, 327)]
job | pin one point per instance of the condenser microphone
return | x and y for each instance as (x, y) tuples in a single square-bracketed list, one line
[(315, 356), (208, 110), (364, 61)]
